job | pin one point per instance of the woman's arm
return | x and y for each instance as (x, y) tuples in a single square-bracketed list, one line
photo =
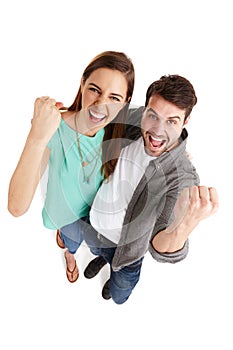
[(34, 157), (26, 177)]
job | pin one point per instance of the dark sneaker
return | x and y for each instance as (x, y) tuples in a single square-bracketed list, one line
[(94, 267), (106, 290)]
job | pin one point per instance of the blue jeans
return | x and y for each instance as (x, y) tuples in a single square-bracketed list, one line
[(72, 235), (122, 282)]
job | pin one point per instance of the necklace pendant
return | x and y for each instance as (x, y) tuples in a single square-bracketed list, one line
[(84, 164), (86, 180)]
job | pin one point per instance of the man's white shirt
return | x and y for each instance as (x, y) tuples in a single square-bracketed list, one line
[(111, 201)]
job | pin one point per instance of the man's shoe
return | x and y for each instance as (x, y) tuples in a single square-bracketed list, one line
[(94, 267), (106, 290)]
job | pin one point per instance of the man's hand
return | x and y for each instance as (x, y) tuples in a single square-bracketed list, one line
[(194, 205)]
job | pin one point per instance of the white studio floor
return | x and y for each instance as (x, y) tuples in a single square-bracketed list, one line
[(189, 303)]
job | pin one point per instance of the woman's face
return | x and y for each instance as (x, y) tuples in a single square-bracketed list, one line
[(103, 96)]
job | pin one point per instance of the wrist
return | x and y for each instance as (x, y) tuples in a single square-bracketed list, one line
[(170, 241), (37, 142), (185, 228)]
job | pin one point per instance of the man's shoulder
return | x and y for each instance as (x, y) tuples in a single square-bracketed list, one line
[(134, 116), (133, 123)]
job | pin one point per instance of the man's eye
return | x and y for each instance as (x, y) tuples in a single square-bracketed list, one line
[(171, 122), (152, 116), (116, 99)]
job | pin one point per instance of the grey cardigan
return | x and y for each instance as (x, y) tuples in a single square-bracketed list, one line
[(151, 207)]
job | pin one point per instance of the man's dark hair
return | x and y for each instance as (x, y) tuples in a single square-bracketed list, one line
[(174, 89)]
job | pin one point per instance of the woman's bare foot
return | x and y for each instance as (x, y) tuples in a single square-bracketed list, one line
[(59, 240), (72, 272)]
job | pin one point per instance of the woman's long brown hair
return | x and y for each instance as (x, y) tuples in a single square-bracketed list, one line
[(114, 131)]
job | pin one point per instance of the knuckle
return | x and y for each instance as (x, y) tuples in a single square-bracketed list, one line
[(215, 207), (204, 203), (37, 100)]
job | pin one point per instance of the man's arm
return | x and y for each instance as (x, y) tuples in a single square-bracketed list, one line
[(199, 203)]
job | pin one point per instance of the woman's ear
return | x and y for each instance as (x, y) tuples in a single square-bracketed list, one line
[(82, 82)]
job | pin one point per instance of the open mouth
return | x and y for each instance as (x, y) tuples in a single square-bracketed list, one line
[(156, 142), (96, 117)]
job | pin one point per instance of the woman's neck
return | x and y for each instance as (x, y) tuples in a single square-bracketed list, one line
[(75, 121)]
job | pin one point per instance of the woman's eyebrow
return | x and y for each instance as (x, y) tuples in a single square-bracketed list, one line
[(95, 86), (112, 93)]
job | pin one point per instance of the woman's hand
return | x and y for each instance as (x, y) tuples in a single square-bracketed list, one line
[(46, 119)]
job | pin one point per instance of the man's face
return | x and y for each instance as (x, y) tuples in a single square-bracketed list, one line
[(162, 124)]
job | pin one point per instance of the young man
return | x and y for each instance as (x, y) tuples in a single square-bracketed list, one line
[(132, 211)]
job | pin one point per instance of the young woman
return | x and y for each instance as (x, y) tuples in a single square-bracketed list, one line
[(71, 143)]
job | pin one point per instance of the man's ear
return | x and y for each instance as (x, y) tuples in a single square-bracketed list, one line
[(187, 120)]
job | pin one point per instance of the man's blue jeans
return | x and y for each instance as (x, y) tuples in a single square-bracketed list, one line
[(122, 282)]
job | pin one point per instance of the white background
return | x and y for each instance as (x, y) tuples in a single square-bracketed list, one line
[(45, 46)]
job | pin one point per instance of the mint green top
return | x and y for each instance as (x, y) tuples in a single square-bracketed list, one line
[(68, 196)]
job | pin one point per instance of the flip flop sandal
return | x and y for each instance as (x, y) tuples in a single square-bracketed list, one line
[(59, 240), (73, 275)]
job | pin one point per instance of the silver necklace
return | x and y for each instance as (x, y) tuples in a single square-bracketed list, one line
[(86, 178)]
